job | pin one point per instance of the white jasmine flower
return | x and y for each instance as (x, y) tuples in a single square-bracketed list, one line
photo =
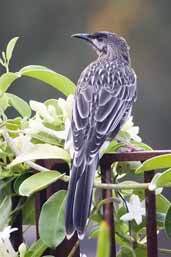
[(41, 110), (132, 130), (66, 106), (6, 248), (22, 250), (51, 109), (23, 143), (136, 210), (69, 145), (83, 255), (35, 126)]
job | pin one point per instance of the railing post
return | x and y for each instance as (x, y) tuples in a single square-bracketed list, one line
[(150, 200), (108, 209), (17, 236)]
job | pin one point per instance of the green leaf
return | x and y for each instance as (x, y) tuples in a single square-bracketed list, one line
[(160, 218), (41, 151), (5, 208), (19, 180), (10, 48), (167, 225), (43, 137), (4, 102), (38, 182), (159, 162), (94, 233), (160, 180), (6, 80), (103, 249), (51, 222), (28, 211), (20, 105), (162, 204), (56, 80), (36, 249), (126, 251), (54, 103), (141, 252)]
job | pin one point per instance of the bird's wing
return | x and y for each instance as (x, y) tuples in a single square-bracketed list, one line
[(100, 107)]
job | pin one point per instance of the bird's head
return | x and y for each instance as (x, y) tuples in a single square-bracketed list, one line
[(107, 44)]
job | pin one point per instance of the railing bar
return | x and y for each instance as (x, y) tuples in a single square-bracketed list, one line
[(132, 156), (152, 244), (108, 210)]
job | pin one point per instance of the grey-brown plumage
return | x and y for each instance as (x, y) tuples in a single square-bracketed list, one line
[(103, 101)]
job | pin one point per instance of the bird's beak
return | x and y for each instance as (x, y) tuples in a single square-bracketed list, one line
[(84, 36)]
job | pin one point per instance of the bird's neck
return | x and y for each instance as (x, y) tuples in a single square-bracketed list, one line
[(113, 56)]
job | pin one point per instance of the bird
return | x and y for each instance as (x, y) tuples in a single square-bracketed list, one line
[(105, 93)]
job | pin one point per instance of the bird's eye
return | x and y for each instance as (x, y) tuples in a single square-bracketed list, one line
[(100, 39)]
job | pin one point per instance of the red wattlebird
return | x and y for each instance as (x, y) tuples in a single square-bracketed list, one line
[(103, 101)]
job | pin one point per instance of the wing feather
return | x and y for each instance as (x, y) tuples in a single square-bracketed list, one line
[(99, 109)]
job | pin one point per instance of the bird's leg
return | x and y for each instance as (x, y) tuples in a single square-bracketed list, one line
[(128, 147)]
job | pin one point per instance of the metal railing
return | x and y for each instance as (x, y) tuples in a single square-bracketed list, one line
[(105, 164)]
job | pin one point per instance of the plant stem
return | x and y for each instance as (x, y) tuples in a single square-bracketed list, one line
[(73, 250), (121, 186), (165, 251)]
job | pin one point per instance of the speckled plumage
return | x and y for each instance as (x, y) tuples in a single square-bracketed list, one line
[(105, 93)]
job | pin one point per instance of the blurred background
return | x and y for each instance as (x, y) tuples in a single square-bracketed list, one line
[(44, 28)]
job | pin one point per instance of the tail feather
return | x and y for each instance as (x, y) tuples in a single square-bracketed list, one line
[(75, 174), (79, 196), (83, 196)]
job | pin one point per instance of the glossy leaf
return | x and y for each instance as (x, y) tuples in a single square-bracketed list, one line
[(28, 211), (162, 204), (167, 224), (38, 182), (56, 80), (10, 48), (36, 249), (51, 222), (41, 151), (160, 180), (5, 208), (4, 102), (20, 105), (140, 252), (126, 251), (19, 180), (159, 162), (103, 249), (6, 80)]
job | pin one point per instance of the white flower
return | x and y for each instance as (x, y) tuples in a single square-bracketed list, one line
[(35, 126), (69, 145), (6, 248), (132, 130), (23, 143), (136, 210), (66, 106), (22, 250), (83, 255), (41, 110)]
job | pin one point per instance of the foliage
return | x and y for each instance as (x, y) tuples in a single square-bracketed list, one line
[(41, 131)]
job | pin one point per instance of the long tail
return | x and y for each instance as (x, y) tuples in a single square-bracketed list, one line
[(79, 197)]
